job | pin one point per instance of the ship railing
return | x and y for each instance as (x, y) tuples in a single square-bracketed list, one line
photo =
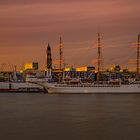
[(83, 85), (135, 82)]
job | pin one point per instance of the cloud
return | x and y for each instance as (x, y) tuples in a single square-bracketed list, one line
[(29, 23)]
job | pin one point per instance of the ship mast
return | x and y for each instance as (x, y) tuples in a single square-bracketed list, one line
[(60, 52), (99, 56), (138, 56), (60, 59), (99, 52)]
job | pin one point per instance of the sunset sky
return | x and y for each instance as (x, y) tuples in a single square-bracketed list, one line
[(26, 27)]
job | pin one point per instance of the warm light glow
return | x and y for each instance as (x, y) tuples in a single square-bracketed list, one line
[(67, 69), (28, 66), (81, 69)]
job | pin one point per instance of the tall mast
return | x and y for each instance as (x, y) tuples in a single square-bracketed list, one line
[(60, 59), (99, 52), (60, 47), (138, 55), (99, 57)]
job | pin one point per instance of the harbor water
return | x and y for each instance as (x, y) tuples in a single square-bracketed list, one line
[(39, 116)]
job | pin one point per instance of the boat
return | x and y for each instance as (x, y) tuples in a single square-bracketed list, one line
[(16, 86), (111, 86), (92, 88), (12, 83)]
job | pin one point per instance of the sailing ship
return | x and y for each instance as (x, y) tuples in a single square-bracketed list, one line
[(112, 86), (92, 88)]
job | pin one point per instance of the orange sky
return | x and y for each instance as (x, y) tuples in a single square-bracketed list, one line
[(27, 26)]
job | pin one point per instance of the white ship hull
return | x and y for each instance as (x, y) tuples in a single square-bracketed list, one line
[(59, 88), (19, 87)]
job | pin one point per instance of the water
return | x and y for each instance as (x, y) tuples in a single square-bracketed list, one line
[(69, 117)]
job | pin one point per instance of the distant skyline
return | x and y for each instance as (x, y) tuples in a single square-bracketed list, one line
[(27, 27)]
